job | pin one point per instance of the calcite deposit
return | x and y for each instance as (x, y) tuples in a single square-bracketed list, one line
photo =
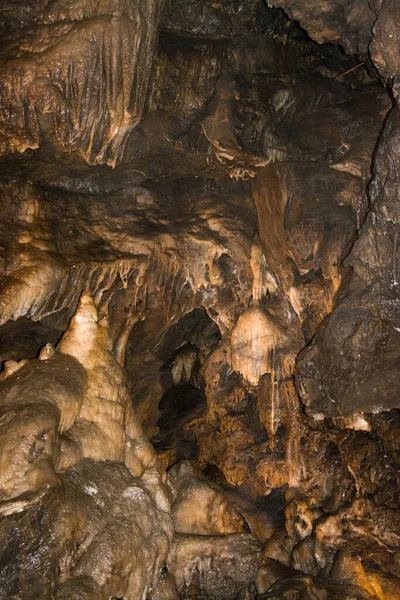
[(199, 300)]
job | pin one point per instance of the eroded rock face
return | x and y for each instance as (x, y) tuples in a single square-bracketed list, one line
[(338, 21), (221, 567), (46, 87), (199, 245), (198, 505), (352, 365), (80, 543)]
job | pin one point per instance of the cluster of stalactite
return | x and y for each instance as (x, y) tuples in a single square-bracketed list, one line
[(199, 300)]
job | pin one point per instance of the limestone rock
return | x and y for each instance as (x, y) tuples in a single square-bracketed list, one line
[(199, 506), (222, 566)]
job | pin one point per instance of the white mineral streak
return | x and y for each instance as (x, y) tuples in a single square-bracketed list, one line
[(358, 422), (262, 280), (183, 364)]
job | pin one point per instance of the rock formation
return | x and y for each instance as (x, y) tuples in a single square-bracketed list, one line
[(199, 300)]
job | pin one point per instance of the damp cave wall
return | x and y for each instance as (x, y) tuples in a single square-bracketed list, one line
[(199, 213)]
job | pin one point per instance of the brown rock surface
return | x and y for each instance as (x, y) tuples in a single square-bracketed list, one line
[(199, 311), (198, 505)]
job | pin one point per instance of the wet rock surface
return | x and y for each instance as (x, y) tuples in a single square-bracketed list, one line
[(199, 310)]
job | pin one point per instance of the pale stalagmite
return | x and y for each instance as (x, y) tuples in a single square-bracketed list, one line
[(199, 309)]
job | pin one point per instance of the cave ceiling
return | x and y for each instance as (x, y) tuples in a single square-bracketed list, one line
[(199, 299)]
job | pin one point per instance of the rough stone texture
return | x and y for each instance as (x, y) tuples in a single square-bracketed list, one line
[(198, 505), (384, 47), (79, 541), (338, 21), (222, 567), (46, 89), (352, 365), (199, 244)]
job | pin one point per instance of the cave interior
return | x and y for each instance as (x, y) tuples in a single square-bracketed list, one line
[(199, 299)]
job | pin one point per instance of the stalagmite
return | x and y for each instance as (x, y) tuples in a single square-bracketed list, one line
[(199, 311)]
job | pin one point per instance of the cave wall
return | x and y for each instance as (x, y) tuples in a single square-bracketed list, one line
[(199, 247)]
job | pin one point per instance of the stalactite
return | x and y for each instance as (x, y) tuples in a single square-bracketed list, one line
[(92, 115), (228, 288)]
